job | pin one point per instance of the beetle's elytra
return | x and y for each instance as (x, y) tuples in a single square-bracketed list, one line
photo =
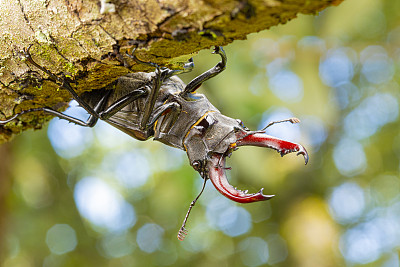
[(160, 105)]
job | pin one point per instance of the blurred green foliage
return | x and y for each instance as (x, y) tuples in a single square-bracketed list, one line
[(95, 197)]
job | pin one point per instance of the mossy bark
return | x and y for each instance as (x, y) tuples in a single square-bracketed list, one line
[(86, 40)]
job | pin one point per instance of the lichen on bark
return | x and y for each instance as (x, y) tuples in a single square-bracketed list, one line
[(82, 39)]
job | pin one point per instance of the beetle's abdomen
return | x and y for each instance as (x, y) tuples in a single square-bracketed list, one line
[(129, 118)]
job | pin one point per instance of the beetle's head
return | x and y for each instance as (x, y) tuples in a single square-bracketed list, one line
[(215, 136)]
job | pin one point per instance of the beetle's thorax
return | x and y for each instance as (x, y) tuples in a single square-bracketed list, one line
[(174, 127)]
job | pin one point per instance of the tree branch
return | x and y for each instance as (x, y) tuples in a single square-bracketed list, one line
[(85, 39)]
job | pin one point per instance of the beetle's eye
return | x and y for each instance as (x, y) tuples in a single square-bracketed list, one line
[(196, 165), (205, 123)]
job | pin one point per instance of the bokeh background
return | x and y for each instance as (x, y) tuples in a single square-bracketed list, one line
[(71, 196)]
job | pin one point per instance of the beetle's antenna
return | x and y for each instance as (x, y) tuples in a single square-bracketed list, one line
[(291, 120), (182, 233)]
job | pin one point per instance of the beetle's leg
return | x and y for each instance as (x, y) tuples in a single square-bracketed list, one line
[(154, 92), (95, 113), (162, 110), (182, 231), (91, 121), (64, 82), (188, 67), (123, 102), (292, 120), (50, 111), (196, 82), (160, 75), (133, 56), (116, 55)]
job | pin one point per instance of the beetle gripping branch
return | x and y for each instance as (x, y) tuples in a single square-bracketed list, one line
[(158, 104)]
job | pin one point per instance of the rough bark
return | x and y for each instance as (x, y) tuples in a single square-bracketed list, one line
[(81, 38)]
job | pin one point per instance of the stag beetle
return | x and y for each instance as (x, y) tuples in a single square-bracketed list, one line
[(159, 105)]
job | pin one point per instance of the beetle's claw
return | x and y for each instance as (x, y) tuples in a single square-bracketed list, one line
[(216, 173), (263, 140), (303, 152), (216, 164)]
